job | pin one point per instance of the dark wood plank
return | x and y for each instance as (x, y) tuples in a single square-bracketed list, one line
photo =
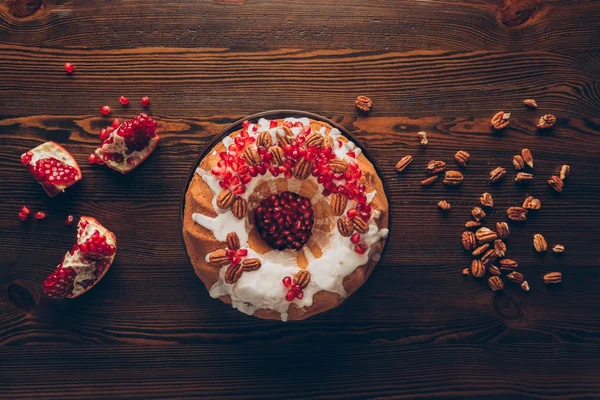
[(382, 370)]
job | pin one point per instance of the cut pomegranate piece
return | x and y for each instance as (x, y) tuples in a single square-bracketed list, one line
[(81, 270), (130, 144), (285, 220), (52, 166)]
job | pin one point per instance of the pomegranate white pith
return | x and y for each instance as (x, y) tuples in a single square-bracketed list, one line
[(127, 146), (52, 166), (85, 264)]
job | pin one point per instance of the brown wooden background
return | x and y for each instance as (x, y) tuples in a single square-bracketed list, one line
[(417, 328)]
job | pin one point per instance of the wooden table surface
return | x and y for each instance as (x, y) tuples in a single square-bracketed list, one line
[(417, 328)]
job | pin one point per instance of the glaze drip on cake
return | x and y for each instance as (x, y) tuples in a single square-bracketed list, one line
[(329, 257)]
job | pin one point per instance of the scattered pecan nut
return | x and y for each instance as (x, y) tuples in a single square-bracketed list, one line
[(507, 264), (477, 268), (552, 277), (233, 241), (495, 283), (423, 138), (531, 103), (532, 203), (465, 271), (303, 168), (435, 167), (559, 248), (477, 213), (500, 248), (472, 224), (485, 235), (489, 257), (481, 250), (403, 163), (556, 183), (565, 170), (429, 181), (500, 120), (518, 162), (539, 243), (525, 286), (302, 278), (225, 199), (546, 121), (493, 270), (363, 103), (239, 208), (345, 226), (444, 205), (523, 177), (234, 273), (527, 157), (487, 200), (338, 204), (502, 230), (251, 264), (468, 240), (462, 158), (517, 213), (264, 139), (453, 178), (497, 174), (218, 258), (516, 277)]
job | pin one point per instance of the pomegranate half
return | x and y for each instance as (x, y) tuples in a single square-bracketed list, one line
[(52, 166), (85, 264), (129, 144)]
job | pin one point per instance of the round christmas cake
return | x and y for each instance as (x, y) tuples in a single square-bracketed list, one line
[(285, 218)]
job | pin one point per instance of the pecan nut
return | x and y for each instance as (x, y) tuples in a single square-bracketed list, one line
[(278, 155), (472, 224), (264, 139), (303, 168), (345, 226), (251, 156), (546, 121), (508, 264), (403, 163), (523, 177), (518, 162), (516, 277), (462, 158), (531, 103), (314, 139), (251, 264), (500, 120), (429, 181), (565, 170), (539, 243), (485, 235), (527, 157), (497, 174), (435, 167), (360, 225), (468, 240), (487, 200), (556, 183), (444, 205), (234, 273), (338, 166), (453, 178), (218, 258), (477, 213), (338, 204), (502, 230), (489, 257), (493, 270), (477, 268), (500, 248), (559, 248), (225, 199), (517, 213), (284, 136), (552, 277), (495, 283), (363, 103), (525, 286), (532, 203), (480, 250), (328, 142), (239, 208), (302, 278), (423, 138), (233, 241)]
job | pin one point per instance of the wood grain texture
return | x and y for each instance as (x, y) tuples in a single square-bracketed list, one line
[(417, 328)]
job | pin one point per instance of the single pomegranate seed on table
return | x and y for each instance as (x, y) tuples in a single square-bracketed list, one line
[(23, 217), (69, 220), (69, 68), (360, 249), (124, 100), (103, 134), (25, 210), (39, 215), (145, 101), (287, 281), (105, 110)]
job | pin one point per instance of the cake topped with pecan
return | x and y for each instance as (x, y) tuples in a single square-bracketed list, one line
[(285, 218)]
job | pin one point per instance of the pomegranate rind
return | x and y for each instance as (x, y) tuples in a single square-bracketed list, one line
[(52, 149), (84, 268)]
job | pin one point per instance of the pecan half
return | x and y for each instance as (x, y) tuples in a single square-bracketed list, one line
[(523, 177), (507, 264), (556, 183), (499, 248), (345, 226), (497, 174), (552, 277), (360, 225), (363, 103), (486, 200), (429, 181), (559, 248), (500, 120), (251, 155), (531, 103), (403, 163), (472, 224), (495, 283), (481, 250), (516, 277), (539, 243), (546, 121), (493, 270), (338, 166), (239, 208), (518, 162), (517, 213), (278, 155), (468, 240), (303, 168), (486, 235), (532, 203), (435, 167), (565, 170), (525, 286), (489, 257), (338, 204), (502, 230), (218, 258), (328, 142), (302, 278), (283, 137), (527, 157), (444, 205), (251, 264), (465, 271), (423, 138), (233, 241), (477, 213), (462, 158), (233, 273), (314, 139), (225, 199), (453, 178), (264, 139), (477, 268)]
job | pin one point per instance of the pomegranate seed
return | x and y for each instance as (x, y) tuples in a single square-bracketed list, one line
[(287, 281), (105, 110), (290, 295), (355, 238), (23, 217), (273, 124), (69, 68), (26, 158), (245, 124), (351, 154), (236, 260), (110, 130), (230, 253), (353, 166), (116, 123), (39, 215), (364, 215), (360, 249), (25, 210), (242, 252), (93, 159), (247, 178), (124, 100), (239, 190), (103, 134), (351, 213), (224, 183), (69, 220), (288, 174), (339, 143), (145, 101), (299, 294), (296, 288)]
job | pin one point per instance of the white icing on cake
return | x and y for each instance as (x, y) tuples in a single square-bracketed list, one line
[(263, 287)]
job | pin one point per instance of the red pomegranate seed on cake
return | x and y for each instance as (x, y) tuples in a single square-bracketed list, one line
[(273, 124), (69, 68), (145, 101), (360, 249), (355, 238), (245, 124), (299, 294), (290, 295), (105, 110), (351, 154), (287, 281), (39, 215), (351, 213), (124, 100)]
